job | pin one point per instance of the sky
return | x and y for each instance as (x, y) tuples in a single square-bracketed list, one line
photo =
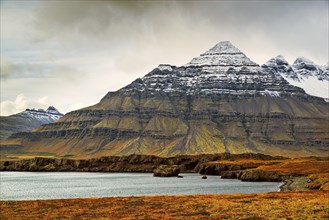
[(69, 54)]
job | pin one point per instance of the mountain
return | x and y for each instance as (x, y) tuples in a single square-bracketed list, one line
[(303, 73), (27, 120), (219, 102)]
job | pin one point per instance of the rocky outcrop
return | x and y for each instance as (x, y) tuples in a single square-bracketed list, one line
[(242, 171), (217, 169), (166, 171), (104, 164), (253, 175), (260, 176), (295, 183)]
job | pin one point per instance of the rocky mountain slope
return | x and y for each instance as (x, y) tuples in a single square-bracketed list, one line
[(219, 102), (27, 120)]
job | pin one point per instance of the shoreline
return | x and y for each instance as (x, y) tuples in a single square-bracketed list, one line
[(295, 174)]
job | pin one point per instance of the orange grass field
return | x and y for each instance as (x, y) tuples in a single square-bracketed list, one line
[(278, 205)]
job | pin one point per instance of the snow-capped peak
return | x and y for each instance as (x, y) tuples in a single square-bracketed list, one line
[(223, 47), (221, 57), (279, 65), (281, 60), (303, 61), (53, 110), (308, 68), (276, 61), (163, 67)]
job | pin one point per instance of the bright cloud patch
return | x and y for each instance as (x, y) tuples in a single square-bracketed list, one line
[(21, 103)]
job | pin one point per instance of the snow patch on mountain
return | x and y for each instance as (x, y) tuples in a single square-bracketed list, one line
[(272, 93), (223, 47), (311, 84), (164, 67)]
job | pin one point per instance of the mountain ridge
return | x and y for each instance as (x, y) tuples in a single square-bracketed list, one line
[(229, 106), (303, 73), (27, 120)]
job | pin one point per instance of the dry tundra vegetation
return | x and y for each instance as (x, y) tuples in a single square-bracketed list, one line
[(309, 204), (285, 205)]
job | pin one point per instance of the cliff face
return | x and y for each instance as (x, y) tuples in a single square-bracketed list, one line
[(219, 102)]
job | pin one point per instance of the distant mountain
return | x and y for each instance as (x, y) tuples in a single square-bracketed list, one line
[(303, 73), (219, 102), (27, 120)]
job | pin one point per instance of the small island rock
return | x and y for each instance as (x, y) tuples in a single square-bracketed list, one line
[(166, 171)]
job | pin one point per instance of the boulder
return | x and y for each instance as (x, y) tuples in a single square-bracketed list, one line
[(260, 175), (229, 175), (166, 171)]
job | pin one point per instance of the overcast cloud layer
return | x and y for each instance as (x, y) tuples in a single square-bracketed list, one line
[(70, 54)]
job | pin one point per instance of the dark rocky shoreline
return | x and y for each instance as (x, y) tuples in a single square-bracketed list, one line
[(131, 163), (147, 163)]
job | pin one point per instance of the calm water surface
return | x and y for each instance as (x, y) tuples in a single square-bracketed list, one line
[(57, 185)]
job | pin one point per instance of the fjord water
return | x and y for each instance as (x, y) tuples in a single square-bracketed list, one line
[(56, 185)]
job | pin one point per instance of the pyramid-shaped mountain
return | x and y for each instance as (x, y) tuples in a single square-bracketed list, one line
[(223, 55), (221, 101)]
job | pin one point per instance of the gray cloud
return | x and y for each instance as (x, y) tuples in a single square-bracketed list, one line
[(6, 68), (285, 27), (75, 44), (10, 69), (37, 69)]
